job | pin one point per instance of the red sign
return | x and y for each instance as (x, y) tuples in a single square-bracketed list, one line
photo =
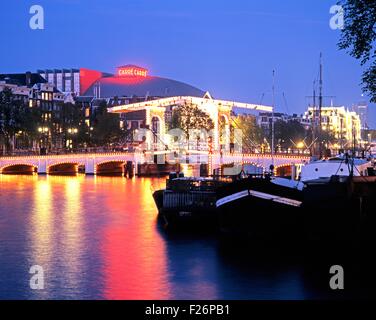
[(132, 71)]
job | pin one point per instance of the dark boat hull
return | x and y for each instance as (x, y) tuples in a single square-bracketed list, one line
[(193, 210), (321, 212), (254, 216)]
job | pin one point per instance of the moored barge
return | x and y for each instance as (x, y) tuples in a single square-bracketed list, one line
[(333, 199), (188, 201)]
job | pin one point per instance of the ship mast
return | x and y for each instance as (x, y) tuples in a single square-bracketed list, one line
[(273, 106), (314, 121), (320, 109)]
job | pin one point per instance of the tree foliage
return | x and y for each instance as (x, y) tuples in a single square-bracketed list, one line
[(252, 134), (189, 117), (288, 134), (15, 117), (359, 37), (106, 128)]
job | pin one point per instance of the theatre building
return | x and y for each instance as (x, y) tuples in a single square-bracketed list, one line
[(145, 102), (128, 84)]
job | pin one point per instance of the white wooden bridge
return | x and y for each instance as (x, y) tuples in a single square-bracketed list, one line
[(93, 163)]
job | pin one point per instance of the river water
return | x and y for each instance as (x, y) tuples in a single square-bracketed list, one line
[(99, 238)]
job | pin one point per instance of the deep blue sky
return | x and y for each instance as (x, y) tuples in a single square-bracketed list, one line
[(227, 47)]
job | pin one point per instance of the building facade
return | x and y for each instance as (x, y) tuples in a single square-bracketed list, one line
[(264, 120), (345, 125), (65, 80), (35, 92), (362, 110)]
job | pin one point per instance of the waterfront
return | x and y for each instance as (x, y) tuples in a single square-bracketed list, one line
[(99, 238)]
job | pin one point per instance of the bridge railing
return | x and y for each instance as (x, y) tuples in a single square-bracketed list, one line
[(280, 151), (25, 153), (132, 149)]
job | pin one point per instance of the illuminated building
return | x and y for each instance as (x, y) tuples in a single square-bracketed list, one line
[(155, 115), (129, 84), (33, 90), (128, 80), (343, 124), (133, 81)]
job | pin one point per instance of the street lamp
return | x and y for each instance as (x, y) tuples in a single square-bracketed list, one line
[(44, 134), (71, 131), (43, 129), (300, 145)]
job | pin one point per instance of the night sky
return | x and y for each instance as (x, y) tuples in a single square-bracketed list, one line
[(227, 47)]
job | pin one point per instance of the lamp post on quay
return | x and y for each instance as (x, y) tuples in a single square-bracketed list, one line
[(43, 141), (69, 142)]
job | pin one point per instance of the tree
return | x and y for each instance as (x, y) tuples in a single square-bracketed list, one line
[(30, 124), (107, 127), (189, 117), (69, 118), (328, 138), (288, 134), (252, 133), (15, 117), (359, 37)]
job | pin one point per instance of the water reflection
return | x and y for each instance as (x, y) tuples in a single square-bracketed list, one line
[(135, 265), (41, 228), (98, 238)]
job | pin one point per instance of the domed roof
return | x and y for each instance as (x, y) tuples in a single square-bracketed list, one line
[(142, 86)]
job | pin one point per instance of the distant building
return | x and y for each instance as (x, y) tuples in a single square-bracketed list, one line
[(26, 79), (264, 119), (129, 84), (129, 80), (344, 124), (362, 110), (36, 92), (19, 92), (65, 80)]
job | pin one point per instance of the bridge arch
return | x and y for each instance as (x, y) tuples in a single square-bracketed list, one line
[(19, 168), (283, 170), (63, 168), (110, 167)]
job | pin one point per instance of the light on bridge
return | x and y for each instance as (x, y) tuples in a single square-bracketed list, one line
[(43, 129), (72, 130), (300, 145)]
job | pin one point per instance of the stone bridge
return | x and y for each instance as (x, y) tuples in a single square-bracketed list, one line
[(96, 163), (265, 160), (92, 163)]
